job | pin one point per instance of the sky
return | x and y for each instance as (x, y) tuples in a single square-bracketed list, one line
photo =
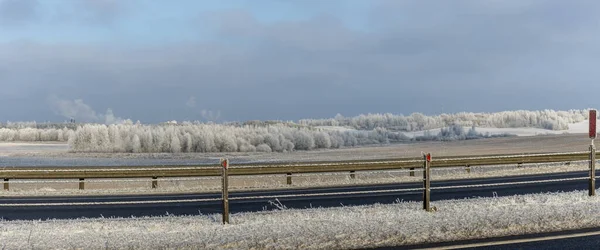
[(238, 60)]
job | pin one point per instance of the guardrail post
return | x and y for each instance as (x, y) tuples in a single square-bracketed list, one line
[(81, 184), (225, 191), (6, 184), (352, 175), (592, 182), (412, 172), (289, 178), (154, 182), (426, 181), (468, 167)]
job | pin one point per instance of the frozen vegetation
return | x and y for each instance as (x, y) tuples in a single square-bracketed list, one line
[(34, 134), (274, 136), (456, 133), (198, 137), (34, 124), (404, 223), (546, 119)]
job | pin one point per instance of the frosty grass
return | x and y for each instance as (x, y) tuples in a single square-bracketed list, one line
[(403, 223)]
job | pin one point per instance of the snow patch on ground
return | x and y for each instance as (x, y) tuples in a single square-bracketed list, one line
[(9, 148), (404, 223)]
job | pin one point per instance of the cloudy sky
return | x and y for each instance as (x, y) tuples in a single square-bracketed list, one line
[(154, 60)]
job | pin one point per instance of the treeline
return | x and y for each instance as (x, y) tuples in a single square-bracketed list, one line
[(34, 134), (33, 124), (546, 119), (199, 137), (273, 136), (226, 138), (456, 133)]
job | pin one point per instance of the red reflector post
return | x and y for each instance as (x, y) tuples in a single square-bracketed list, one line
[(225, 163)]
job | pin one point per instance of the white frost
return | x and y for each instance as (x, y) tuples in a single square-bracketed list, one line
[(331, 228)]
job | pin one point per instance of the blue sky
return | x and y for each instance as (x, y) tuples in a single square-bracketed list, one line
[(154, 60), (155, 22)]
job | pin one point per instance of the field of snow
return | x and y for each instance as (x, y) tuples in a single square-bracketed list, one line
[(404, 223), (10, 148)]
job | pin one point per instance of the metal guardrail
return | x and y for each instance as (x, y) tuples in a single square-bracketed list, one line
[(288, 169), (280, 168)]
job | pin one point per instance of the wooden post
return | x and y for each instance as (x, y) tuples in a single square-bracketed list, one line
[(592, 182), (352, 174), (6, 184), (81, 184), (412, 171), (289, 178), (426, 182), (154, 182), (225, 191)]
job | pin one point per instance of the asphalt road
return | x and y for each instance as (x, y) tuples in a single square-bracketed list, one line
[(587, 238), (41, 208), (578, 242)]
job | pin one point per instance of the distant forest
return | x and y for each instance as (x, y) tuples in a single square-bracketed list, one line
[(257, 136), (546, 119)]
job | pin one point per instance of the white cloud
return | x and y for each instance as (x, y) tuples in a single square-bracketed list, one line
[(75, 109), (81, 112)]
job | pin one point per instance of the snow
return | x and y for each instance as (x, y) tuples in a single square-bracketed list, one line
[(404, 223), (8, 148), (574, 128)]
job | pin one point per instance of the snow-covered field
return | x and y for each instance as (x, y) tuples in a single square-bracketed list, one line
[(10, 148), (404, 223)]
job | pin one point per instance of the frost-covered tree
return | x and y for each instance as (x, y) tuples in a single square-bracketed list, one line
[(199, 137), (547, 119), (303, 141), (454, 133), (136, 145), (322, 140)]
